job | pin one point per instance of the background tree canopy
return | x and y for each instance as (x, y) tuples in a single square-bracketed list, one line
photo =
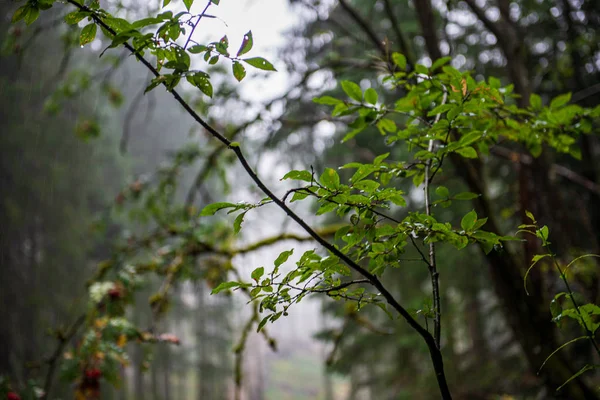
[(428, 173)]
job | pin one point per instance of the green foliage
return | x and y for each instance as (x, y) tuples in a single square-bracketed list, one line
[(160, 42), (437, 113), (565, 304)]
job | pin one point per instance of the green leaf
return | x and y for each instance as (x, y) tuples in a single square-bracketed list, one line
[(480, 222), (535, 101), (442, 191), (20, 13), (198, 48), (367, 185), (32, 15), (354, 132), (560, 101), (494, 82), (330, 179), (530, 216), (266, 319), (298, 175), (418, 179), (211, 209), (465, 196), (398, 200), (121, 25), (88, 34), (260, 63), (145, 22), (87, 129), (469, 220), (352, 90), (298, 196), (283, 257), (371, 96), (440, 62), (442, 108), (327, 207), (200, 80), (383, 306), (188, 4), (225, 286), (467, 152), (421, 69), (543, 232), (362, 172), (215, 2), (257, 273), (223, 45), (154, 83), (380, 158), (75, 16), (469, 138), (238, 71), (237, 223), (386, 125), (487, 247), (327, 100), (399, 60), (166, 2), (453, 113), (246, 45)]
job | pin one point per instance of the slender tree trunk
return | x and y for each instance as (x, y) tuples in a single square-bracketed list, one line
[(202, 382), (155, 374), (166, 370)]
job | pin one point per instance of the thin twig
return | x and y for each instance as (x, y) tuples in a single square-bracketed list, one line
[(53, 361), (128, 120), (433, 272), (187, 42)]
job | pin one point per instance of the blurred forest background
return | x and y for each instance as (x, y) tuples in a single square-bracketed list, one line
[(78, 137)]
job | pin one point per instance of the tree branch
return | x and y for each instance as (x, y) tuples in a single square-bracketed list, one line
[(554, 168), (365, 27), (405, 47), (433, 272), (434, 351), (53, 361)]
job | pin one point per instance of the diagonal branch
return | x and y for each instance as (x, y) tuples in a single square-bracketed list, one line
[(364, 25), (558, 169), (63, 340), (405, 47), (434, 351)]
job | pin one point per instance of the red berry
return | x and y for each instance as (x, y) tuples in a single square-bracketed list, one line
[(93, 373), (115, 293), (13, 396)]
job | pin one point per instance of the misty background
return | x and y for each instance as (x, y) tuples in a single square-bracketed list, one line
[(80, 142)]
